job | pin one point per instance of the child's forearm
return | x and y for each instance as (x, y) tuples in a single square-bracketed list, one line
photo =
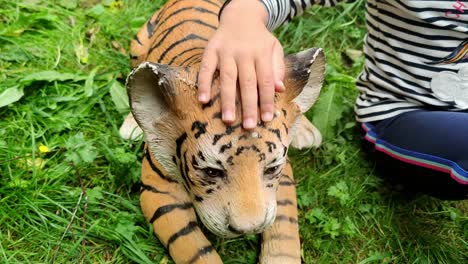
[(281, 11)]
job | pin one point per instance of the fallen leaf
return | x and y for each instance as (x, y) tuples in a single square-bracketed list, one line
[(354, 54), (116, 45), (119, 97), (11, 95), (50, 76), (82, 53), (89, 84)]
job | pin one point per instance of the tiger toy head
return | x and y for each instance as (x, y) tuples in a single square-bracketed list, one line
[(231, 174)]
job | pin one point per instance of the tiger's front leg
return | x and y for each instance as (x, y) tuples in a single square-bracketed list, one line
[(280, 242), (167, 206)]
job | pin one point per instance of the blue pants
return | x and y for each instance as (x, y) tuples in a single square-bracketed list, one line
[(424, 151)]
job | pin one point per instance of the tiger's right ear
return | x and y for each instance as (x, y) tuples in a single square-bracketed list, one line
[(152, 91)]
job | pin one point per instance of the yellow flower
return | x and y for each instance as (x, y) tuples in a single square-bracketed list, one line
[(116, 4), (43, 148)]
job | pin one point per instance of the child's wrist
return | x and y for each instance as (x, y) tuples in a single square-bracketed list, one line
[(253, 10)]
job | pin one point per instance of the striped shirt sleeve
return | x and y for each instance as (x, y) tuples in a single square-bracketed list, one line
[(282, 11)]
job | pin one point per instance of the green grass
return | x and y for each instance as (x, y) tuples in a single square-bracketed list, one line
[(79, 201)]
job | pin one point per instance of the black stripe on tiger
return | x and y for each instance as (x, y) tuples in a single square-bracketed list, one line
[(201, 156), (184, 52), (137, 40), (169, 30), (189, 228), (145, 187), (150, 26), (217, 115), (186, 168), (243, 148), (286, 128), (217, 137), (284, 202), (183, 167), (229, 130), (201, 252), (289, 219), (211, 102), (212, 3), (243, 136), (156, 169), (163, 12), (179, 141), (276, 132), (183, 9), (167, 209), (271, 146), (180, 41), (288, 181), (201, 127), (173, 59), (225, 147), (262, 157), (192, 59)]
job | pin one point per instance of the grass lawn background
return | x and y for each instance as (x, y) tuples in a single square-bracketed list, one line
[(69, 184)]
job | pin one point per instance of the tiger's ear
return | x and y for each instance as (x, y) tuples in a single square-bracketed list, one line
[(152, 92), (304, 77)]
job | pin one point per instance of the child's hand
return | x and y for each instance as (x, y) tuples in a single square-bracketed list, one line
[(243, 48)]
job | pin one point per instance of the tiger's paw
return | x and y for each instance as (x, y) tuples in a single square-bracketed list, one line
[(306, 135), (130, 129)]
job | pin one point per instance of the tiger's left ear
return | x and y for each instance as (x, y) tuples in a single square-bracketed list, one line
[(304, 77)]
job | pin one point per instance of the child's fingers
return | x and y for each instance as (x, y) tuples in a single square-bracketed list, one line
[(228, 75), (266, 89), (205, 76), (248, 91), (278, 67)]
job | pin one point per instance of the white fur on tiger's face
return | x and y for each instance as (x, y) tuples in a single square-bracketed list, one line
[(231, 174)]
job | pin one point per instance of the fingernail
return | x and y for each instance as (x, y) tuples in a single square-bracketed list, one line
[(281, 85), (267, 116), (249, 123), (228, 116), (202, 97)]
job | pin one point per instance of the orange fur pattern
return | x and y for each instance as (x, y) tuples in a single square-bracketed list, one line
[(236, 181)]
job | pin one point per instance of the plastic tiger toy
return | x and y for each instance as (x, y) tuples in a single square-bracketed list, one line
[(237, 181)]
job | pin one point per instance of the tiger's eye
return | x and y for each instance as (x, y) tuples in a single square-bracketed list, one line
[(214, 173), (271, 170)]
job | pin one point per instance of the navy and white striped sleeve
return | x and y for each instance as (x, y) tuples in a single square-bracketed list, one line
[(282, 11)]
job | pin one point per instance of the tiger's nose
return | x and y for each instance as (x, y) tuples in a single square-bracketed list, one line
[(235, 230), (246, 227)]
